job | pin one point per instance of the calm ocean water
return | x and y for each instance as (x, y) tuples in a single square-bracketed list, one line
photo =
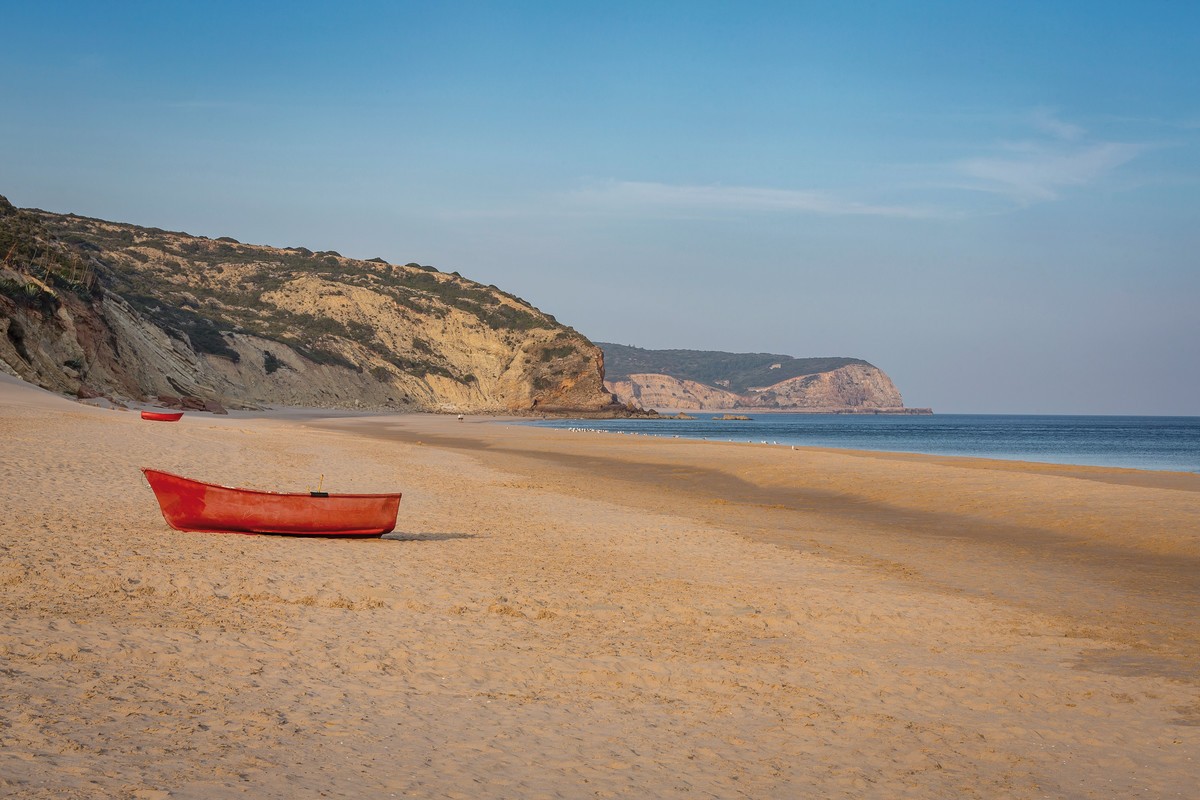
[(1159, 443)]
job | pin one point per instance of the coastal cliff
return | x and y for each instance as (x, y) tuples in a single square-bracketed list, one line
[(94, 308), (696, 380)]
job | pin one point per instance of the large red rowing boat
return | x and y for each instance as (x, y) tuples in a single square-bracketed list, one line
[(162, 416), (189, 505)]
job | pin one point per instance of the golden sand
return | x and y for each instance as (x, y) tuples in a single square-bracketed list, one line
[(579, 615)]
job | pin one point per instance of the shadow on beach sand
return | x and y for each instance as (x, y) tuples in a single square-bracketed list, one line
[(401, 536)]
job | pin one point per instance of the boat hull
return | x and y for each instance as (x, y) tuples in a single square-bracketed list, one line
[(162, 416), (189, 505)]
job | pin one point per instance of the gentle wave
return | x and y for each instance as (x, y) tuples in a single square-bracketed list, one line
[(1154, 443)]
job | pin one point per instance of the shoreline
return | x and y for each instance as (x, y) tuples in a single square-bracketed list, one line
[(696, 429), (752, 490), (574, 616)]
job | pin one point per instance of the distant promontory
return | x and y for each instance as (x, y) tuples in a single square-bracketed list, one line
[(714, 380)]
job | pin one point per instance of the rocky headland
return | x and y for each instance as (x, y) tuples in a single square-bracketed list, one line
[(700, 380), (129, 314), (92, 308)]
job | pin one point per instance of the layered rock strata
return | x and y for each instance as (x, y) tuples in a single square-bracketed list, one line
[(856, 388), (96, 308)]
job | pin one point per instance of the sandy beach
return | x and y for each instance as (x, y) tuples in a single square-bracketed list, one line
[(569, 615)]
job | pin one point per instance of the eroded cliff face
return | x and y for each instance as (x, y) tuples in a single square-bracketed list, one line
[(650, 390), (91, 307), (855, 388)]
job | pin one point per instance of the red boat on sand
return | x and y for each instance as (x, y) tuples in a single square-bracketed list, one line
[(189, 505), (162, 416)]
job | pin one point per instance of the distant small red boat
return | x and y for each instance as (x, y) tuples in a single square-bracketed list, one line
[(162, 416), (189, 505)]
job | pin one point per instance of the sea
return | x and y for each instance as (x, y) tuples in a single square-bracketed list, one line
[(1151, 443)]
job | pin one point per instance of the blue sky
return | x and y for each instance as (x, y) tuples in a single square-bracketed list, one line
[(998, 205)]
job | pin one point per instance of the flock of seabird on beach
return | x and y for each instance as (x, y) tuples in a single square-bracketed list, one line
[(654, 435)]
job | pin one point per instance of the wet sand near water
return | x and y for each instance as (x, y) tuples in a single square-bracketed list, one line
[(1114, 548), (572, 615)]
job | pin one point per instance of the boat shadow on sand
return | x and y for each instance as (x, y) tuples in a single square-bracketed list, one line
[(401, 536)]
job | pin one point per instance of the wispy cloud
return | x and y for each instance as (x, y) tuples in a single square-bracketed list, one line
[(1056, 156), (665, 197), (1030, 172), (1046, 121), (204, 105)]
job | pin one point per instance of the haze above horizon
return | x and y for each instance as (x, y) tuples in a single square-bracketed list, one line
[(996, 205)]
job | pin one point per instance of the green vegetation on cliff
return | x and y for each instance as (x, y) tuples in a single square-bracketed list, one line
[(37, 262), (133, 311), (735, 372), (200, 287)]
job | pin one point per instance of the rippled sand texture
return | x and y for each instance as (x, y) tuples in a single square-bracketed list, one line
[(575, 615)]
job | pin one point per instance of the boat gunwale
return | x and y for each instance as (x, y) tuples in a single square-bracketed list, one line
[(308, 495)]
